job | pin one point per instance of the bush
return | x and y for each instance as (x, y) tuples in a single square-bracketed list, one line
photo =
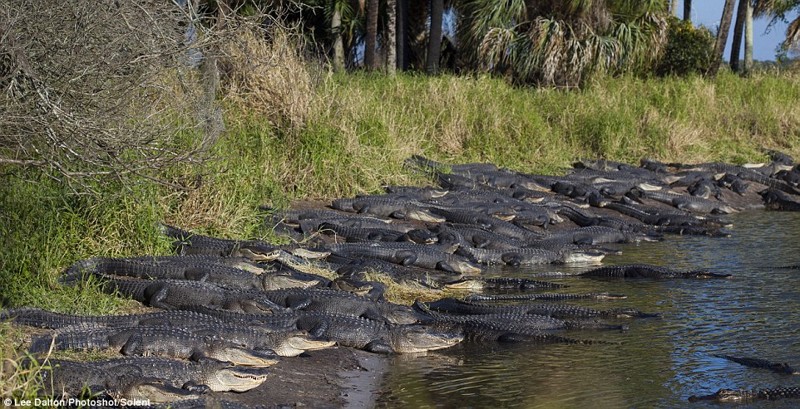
[(688, 50)]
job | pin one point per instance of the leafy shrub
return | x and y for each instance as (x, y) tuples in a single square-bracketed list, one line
[(688, 50)]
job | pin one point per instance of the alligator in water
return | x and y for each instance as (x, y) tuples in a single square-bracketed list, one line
[(543, 296), (782, 368), (647, 271), (379, 337), (165, 342), (744, 395), (563, 311)]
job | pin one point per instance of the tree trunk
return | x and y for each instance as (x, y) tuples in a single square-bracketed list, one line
[(738, 28), (748, 40), (371, 39), (435, 38), (391, 37), (687, 10), (338, 44), (401, 44), (722, 36), (674, 8)]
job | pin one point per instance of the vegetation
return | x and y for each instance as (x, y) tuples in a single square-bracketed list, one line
[(688, 50)]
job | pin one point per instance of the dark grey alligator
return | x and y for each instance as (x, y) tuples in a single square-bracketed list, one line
[(175, 269), (288, 342), (75, 379), (425, 256), (777, 200), (396, 207), (782, 368), (341, 302), (190, 243), (690, 203), (35, 317), (744, 395), (564, 311), (529, 256), (647, 271), (379, 337), (500, 283), (179, 294), (204, 376), (543, 297), (165, 342)]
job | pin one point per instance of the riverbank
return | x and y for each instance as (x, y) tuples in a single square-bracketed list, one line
[(356, 132)]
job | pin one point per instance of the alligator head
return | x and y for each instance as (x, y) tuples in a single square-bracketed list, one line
[(725, 395), (297, 344), (236, 379), (417, 338), (256, 252), (242, 356)]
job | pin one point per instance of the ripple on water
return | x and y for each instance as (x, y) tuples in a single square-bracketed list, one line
[(661, 362)]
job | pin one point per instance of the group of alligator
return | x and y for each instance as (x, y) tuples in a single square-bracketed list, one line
[(224, 310)]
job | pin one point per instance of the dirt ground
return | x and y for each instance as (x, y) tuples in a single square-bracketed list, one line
[(331, 378)]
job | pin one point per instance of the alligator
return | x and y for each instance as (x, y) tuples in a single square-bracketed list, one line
[(74, 379), (394, 207), (500, 283), (744, 395), (179, 294), (476, 329), (378, 337), (199, 377), (647, 271), (404, 275), (165, 342), (529, 256), (777, 200), (175, 269), (564, 311), (488, 223), (189, 243), (425, 256), (35, 317), (543, 296), (341, 302), (285, 343), (690, 203), (781, 368), (362, 235)]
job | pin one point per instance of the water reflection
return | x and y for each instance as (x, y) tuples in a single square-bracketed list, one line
[(661, 362)]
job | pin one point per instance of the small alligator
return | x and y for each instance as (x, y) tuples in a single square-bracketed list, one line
[(744, 395), (341, 302), (378, 337), (782, 368), (647, 271), (165, 342)]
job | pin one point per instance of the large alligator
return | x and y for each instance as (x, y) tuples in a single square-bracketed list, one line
[(744, 395), (64, 378), (500, 283), (165, 342), (190, 243), (647, 271), (426, 256), (564, 311), (779, 367), (387, 206), (529, 256), (179, 294), (379, 337), (35, 317), (204, 376), (543, 296)]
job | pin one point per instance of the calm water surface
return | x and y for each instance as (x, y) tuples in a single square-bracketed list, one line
[(662, 361)]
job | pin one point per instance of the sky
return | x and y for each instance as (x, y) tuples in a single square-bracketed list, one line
[(765, 42)]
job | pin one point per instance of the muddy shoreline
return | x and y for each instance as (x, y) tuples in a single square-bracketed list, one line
[(338, 377)]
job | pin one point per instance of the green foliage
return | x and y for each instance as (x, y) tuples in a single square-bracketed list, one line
[(689, 50)]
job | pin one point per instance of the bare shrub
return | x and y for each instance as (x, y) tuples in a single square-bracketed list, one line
[(266, 74), (106, 89)]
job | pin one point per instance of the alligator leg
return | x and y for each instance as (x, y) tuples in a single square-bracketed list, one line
[(196, 274), (379, 346), (405, 257)]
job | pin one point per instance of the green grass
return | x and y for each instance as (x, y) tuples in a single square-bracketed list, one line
[(359, 129)]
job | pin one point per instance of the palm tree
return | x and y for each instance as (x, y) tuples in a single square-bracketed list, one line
[(371, 36), (687, 10), (562, 43), (722, 37), (336, 31), (778, 10), (738, 32), (435, 37), (391, 37)]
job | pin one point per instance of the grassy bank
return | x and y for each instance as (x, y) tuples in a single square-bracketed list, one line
[(356, 131)]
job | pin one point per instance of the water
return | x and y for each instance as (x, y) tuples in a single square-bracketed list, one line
[(662, 361)]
